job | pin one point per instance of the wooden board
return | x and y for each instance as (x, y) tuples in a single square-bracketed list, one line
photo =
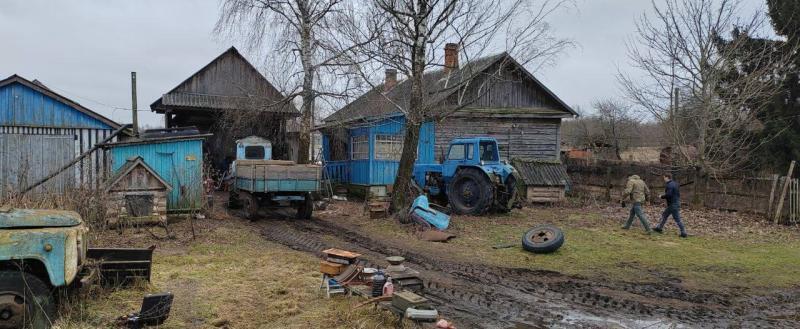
[(263, 170)]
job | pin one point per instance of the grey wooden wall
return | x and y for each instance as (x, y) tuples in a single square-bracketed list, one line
[(530, 138), (24, 159)]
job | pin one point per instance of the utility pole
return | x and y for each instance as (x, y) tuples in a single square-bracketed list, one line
[(133, 105)]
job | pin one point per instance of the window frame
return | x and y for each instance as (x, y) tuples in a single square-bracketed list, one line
[(394, 143), (357, 144), (468, 151)]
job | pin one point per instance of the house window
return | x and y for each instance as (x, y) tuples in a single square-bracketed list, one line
[(359, 147), (388, 147), (460, 152)]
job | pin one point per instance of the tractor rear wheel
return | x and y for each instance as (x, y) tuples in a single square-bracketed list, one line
[(249, 205), (470, 192), (25, 301)]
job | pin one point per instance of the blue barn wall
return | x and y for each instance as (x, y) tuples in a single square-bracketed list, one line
[(22, 106), (372, 171), (178, 162)]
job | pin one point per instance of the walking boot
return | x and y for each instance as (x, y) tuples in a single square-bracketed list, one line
[(658, 230), (684, 235)]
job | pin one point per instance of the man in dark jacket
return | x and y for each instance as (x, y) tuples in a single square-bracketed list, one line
[(672, 194)]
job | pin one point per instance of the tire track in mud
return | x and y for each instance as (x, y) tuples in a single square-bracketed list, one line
[(495, 297)]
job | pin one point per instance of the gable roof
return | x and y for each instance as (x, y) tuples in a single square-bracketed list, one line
[(189, 94), (41, 88), (377, 103), (129, 165)]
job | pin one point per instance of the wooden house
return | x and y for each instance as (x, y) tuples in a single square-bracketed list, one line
[(42, 131), (138, 194), (210, 98), (362, 141)]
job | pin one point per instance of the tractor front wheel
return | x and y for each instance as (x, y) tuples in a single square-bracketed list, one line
[(25, 301), (507, 195), (470, 192)]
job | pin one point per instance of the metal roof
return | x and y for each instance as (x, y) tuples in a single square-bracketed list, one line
[(542, 173), (378, 102)]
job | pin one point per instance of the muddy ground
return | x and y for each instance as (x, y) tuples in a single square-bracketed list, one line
[(477, 295)]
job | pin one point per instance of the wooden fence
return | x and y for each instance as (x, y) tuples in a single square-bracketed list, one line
[(606, 180)]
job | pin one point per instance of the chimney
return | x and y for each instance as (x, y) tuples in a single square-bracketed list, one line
[(391, 80), (450, 56)]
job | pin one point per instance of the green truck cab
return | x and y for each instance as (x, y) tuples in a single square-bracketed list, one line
[(42, 251)]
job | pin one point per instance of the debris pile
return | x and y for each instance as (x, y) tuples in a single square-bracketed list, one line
[(396, 288)]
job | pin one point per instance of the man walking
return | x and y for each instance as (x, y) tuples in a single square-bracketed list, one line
[(637, 191), (672, 194)]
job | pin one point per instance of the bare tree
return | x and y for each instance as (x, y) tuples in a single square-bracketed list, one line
[(300, 41), (617, 125), (410, 32), (684, 54)]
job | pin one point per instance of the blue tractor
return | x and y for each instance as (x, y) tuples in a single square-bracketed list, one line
[(472, 178)]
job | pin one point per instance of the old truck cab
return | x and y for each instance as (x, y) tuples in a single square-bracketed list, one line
[(42, 250)]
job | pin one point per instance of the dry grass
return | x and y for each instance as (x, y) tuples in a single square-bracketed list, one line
[(228, 277)]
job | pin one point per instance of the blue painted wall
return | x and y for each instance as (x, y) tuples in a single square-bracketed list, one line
[(22, 106), (177, 162), (383, 172)]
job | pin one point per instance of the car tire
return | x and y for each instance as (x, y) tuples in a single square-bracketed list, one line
[(24, 292), (543, 239), (470, 192)]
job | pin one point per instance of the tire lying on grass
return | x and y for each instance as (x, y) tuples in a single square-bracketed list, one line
[(543, 239)]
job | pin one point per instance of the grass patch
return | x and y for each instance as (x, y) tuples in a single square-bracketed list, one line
[(229, 277), (596, 247)]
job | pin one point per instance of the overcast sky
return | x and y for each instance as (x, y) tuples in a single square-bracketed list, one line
[(85, 50)]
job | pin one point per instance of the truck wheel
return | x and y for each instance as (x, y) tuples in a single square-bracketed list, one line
[(470, 192), (543, 239), (509, 195), (306, 207), (25, 301), (233, 200), (249, 205)]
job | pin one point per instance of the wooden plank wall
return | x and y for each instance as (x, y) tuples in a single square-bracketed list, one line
[(89, 172), (530, 138)]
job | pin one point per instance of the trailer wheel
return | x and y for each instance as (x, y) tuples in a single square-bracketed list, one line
[(470, 192), (25, 301), (306, 207), (249, 205), (543, 239)]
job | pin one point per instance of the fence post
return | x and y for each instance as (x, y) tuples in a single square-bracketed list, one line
[(775, 178), (783, 193)]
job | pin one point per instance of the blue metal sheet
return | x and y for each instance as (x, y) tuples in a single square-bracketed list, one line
[(178, 162), (23, 106)]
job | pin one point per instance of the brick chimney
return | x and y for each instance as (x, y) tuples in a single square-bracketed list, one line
[(391, 79), (450, 56)]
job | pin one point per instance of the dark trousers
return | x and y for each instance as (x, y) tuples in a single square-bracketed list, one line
[(675, 211), (636, 211)]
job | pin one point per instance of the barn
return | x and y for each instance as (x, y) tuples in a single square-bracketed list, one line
[(42, 131), (212, 98), (362, 141)]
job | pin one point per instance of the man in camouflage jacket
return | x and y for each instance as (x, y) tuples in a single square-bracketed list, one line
[(636, 190)]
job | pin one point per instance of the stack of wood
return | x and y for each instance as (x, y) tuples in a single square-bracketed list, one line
[(337, 260)]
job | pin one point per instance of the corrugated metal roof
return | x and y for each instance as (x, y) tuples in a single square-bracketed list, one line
[(542, 173)]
